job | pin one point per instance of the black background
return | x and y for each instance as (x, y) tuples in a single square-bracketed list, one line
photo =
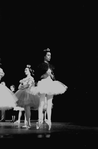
[(69, 30)]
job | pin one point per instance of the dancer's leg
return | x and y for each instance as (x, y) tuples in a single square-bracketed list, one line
[(45, 107), (45, 114), (40, 117), (13, 118), (28, 115), (49, 111), (40, 113), (40, 110), (25, 121), (19, 117), (13, 115), (2, 114)]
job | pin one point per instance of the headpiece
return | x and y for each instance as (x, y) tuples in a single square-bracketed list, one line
[(47, 50), (31, 70)]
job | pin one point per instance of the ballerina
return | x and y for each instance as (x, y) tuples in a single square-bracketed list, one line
[(41, 72), (7, 98), (25, 99), (50, 87)]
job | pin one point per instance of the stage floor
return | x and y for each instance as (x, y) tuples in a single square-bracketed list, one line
[(68, 131), (9, 127)]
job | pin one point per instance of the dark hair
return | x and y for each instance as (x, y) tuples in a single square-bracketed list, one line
[(31, 70)]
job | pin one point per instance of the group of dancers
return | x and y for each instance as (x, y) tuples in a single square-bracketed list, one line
[(31, 95)]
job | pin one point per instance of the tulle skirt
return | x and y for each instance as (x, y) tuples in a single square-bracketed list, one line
[(7, 98), (18, 108), (48, 86), (27, 99), (33, 90)]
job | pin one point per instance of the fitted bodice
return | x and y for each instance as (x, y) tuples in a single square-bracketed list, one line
[(26, 82)]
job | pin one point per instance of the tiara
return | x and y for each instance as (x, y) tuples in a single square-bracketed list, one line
[(47, 50)]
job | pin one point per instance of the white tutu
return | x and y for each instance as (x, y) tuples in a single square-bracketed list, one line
[(48, 86), (19, 109), (7, 98), (33, 90)]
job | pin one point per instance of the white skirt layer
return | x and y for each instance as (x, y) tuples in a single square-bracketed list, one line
[(48, 86), (7, 98), (33, 90), (18, 109)]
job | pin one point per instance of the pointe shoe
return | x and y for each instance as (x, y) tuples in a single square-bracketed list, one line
[(2, 120), (30, 124), (26, 123), (17, 122), (46, 121), (26, 126), (38, 124), (49, 124)]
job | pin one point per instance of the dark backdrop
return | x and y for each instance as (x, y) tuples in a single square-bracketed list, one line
[(69, 30)]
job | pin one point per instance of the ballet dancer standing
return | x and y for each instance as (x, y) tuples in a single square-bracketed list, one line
[(50, 87)]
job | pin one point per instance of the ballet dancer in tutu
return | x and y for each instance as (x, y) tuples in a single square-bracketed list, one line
[(27, 100), (41, 73), (7, 98), (50, 87)]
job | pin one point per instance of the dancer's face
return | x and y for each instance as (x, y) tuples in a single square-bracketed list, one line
[(12, 88), (27, 72), (48, 56), (3, 83)]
